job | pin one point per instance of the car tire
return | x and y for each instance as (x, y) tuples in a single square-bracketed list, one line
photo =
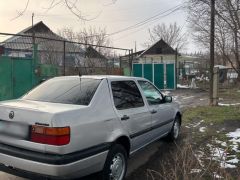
[(116, 163), (175, 130)]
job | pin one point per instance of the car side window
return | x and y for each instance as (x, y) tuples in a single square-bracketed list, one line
[(126, 95), (152, 95)]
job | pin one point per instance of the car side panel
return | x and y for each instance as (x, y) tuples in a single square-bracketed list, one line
[(138, 126), (162, 118)]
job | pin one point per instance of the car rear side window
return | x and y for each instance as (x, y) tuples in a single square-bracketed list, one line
[(67, 91), (126, 95)]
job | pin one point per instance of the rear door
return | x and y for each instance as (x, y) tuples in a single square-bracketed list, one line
[(162, 113), (132, 111)]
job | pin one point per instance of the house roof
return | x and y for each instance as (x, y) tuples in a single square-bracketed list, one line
[(41, 30), (160, 47), (39, 27), (134, 54), (25, 43), (93, 53)]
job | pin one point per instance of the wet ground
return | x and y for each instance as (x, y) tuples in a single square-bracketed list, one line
[(212, 152)]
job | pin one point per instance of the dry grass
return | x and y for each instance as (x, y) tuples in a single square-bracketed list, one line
[(187, 164), (194, 156)]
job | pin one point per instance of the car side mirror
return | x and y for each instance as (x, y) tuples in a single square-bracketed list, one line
[(167, 99)]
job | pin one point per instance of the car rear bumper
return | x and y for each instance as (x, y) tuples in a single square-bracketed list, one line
[(24, 162)]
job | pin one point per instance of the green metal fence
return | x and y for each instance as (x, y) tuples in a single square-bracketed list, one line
[(162, 75), (5, 75), (159, 75), (15, 77), (19, 75), (170, 76)]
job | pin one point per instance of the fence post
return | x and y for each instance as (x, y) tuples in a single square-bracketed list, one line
[(120, 62), (34, 64), (215, 85), (129, 62), (64, 57)]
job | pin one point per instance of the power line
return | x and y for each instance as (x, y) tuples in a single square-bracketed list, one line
[(145, 21), (152, 18), (153, 21)]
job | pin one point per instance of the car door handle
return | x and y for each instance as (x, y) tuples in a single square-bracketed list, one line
[(124, 118), (153, 111)]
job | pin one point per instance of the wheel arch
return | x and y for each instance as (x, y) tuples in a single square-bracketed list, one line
[(125, 142), (178, 114)]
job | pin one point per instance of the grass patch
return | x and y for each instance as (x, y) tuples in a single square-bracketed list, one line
[(229, 93), (210, 114)]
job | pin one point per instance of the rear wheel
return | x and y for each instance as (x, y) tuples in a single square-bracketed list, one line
[(116, 164)]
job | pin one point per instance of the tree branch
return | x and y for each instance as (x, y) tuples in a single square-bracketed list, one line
[(21, 12)]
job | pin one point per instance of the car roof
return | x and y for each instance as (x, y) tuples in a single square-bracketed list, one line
[(110, 77)]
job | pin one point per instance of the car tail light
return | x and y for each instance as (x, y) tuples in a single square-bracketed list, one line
[(57, 136)]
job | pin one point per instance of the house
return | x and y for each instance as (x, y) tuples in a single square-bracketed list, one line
[(156, 63), (94, 58), (49, 51), (125, 62), (160, 52)]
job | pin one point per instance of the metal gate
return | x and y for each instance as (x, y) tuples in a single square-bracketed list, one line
[(22, 76), (162, 75), (170, 76), (5, 79), (159, 75), (18, 75)]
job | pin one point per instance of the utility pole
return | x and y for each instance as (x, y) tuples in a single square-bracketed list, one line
[(131, 62), (33, 33), (32, 18), (34, 55), (135, 46), (212, 51), (176, 67)]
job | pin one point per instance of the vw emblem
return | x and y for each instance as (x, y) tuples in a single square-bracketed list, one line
[(11, 115)]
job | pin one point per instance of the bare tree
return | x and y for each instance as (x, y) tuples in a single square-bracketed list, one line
[(172, 34), (227, 34), (88, 36), (71, 5)]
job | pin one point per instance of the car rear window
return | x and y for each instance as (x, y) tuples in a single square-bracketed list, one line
[(77, 91)]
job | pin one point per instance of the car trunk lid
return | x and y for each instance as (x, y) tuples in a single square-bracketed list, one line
[(18, 116)]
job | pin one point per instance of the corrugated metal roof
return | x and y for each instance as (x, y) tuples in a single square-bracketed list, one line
[(41, 30), (161, 44)]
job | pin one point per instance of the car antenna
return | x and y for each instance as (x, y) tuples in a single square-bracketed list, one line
[(80, 75)]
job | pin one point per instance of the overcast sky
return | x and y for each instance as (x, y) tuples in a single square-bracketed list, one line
[(114, 16)]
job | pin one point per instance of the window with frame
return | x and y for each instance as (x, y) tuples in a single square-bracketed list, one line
[(126, 95), (77, 91), (152, 94)]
